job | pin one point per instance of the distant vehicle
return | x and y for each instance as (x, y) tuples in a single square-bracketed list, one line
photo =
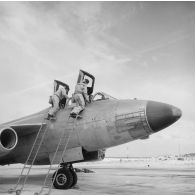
[(180, 158), (106, 122)]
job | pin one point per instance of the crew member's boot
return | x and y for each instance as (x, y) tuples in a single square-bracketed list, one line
[(50, 117), (73, 114)]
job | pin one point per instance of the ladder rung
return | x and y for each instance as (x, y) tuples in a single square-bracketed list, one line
[(50, 182), (29, 162), (47, 185), (33, 153), (30, 159), (38, 144), (22, 175), (49, 177), (27, 166)]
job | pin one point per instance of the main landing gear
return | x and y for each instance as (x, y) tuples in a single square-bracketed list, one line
[(65, 177)]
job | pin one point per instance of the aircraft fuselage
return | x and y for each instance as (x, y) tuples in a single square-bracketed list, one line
[(104, 124)]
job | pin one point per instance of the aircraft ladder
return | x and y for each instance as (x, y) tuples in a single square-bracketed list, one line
[(63, 143), (30, 160)]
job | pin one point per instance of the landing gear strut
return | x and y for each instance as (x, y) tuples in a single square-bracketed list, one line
[(65, 177)]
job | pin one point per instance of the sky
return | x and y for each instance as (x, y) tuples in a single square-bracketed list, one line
[(134, 49)]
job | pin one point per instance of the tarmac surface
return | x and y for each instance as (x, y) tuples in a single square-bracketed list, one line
[(112, 179)]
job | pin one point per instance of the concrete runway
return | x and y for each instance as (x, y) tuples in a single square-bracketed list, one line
[(111, 180)]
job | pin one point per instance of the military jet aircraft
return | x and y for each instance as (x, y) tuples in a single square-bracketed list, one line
[(105, 122)]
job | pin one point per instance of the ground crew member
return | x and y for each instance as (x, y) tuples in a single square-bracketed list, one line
[(80, 97), (56, 97)]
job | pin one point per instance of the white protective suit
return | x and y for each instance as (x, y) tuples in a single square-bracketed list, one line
[(79, 96), (56, 97)]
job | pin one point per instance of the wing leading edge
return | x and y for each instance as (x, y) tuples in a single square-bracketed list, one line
[(26, 129)]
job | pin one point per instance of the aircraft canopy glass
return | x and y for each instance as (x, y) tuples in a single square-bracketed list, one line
[(102, 96)]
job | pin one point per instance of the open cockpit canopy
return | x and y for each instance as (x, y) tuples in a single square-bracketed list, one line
[(85, 75), (57, 84)]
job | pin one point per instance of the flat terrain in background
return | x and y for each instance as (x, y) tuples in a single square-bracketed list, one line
[(115, 177)]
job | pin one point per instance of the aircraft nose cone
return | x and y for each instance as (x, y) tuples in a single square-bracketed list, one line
[(161, 115)]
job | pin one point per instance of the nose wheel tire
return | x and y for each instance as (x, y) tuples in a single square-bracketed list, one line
[(63, 179), (18, 192), (74, 177)]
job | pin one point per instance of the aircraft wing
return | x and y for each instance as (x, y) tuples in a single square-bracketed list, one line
[(10, 136), (25, 129), (26, 125)]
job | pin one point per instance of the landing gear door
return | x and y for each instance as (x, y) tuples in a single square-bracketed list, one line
[(85, 75)]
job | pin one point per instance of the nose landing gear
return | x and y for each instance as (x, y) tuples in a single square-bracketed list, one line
[(65, 177)]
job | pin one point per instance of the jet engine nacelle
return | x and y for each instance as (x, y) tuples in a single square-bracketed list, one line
[(8, 140), (94, 156)]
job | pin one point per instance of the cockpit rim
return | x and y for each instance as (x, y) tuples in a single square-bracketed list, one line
[(104, 96)]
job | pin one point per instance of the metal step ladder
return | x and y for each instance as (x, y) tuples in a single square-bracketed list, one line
[(61, 147), (30, 160)]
